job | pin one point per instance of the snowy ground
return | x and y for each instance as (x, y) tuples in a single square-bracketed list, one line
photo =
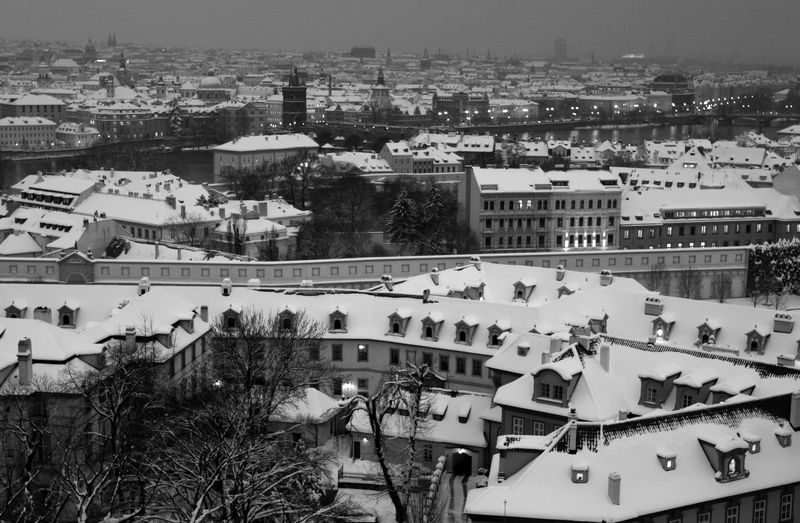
[(790, 302)]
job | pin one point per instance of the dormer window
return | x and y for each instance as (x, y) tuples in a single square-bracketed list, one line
[(15, 311), (286, 319), (431, 324), (756, 340), (398, 322), (496, 334), (662, 326), (230, 318), (465, 330), (337, 321), (657, 383), (726, 453), (67, 314), (523, 289), (708, 332)]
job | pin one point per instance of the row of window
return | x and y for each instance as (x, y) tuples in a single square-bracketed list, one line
[(575, 240), (427, 358), (542, 205), (732, 512), (713, 213)]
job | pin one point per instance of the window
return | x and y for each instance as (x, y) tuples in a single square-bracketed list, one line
[(651, 394), (444, 363), (394, 356), (427, 359), (538, 428), (687, 400), (337, 386), (313, 351), (461, 365), (517, 426), (787, 502), (544, 390), (427, 452), (704, 517), (477, 367), (558, 392), (363, 386), (336, 352), (760, 511), (732, 514)]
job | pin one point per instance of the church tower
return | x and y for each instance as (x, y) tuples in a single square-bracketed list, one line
[(294, 102), (380, 100)]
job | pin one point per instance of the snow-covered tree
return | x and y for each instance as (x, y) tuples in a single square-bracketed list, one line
[(402, 224)]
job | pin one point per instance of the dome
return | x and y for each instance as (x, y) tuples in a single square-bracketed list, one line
[(210, 82)]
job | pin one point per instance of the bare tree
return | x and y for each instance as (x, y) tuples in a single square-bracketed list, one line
[(34, 417), (689, 282), (659, 278), (396, 449), (220, 460), (187, 229), (721, 286), (99, 462)]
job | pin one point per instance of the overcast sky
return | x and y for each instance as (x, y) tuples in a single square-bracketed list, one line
[(744, 28)]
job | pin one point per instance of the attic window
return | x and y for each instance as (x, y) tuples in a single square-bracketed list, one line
[(338, 321), (286, 320), (667, 458), (398, 324)]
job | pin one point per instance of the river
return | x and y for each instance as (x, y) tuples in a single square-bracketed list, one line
[(196, 166)]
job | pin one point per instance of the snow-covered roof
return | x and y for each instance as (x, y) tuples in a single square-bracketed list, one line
[(275, 142), (543, 489)]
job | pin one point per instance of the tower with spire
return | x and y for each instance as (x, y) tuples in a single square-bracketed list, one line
[(380, 100), (425, 62), (294, 102)]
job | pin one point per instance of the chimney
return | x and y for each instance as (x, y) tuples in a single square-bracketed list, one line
[(555, 345), (545, 358), (572, 435), (111, 173), (156, 246), (24, 361), (614, 480), (794, 411), (43, 314), (183, 212), (386, 279), (130, 338), (426, 295), (559, 273), (167, 186), (170, 200), (222, 213), (476, 260), (179, 252), (204, 313), (605, 354), (622, 415), (606, 277), (435, 276)]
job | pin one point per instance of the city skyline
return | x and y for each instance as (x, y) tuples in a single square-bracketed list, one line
[(716, 28)]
